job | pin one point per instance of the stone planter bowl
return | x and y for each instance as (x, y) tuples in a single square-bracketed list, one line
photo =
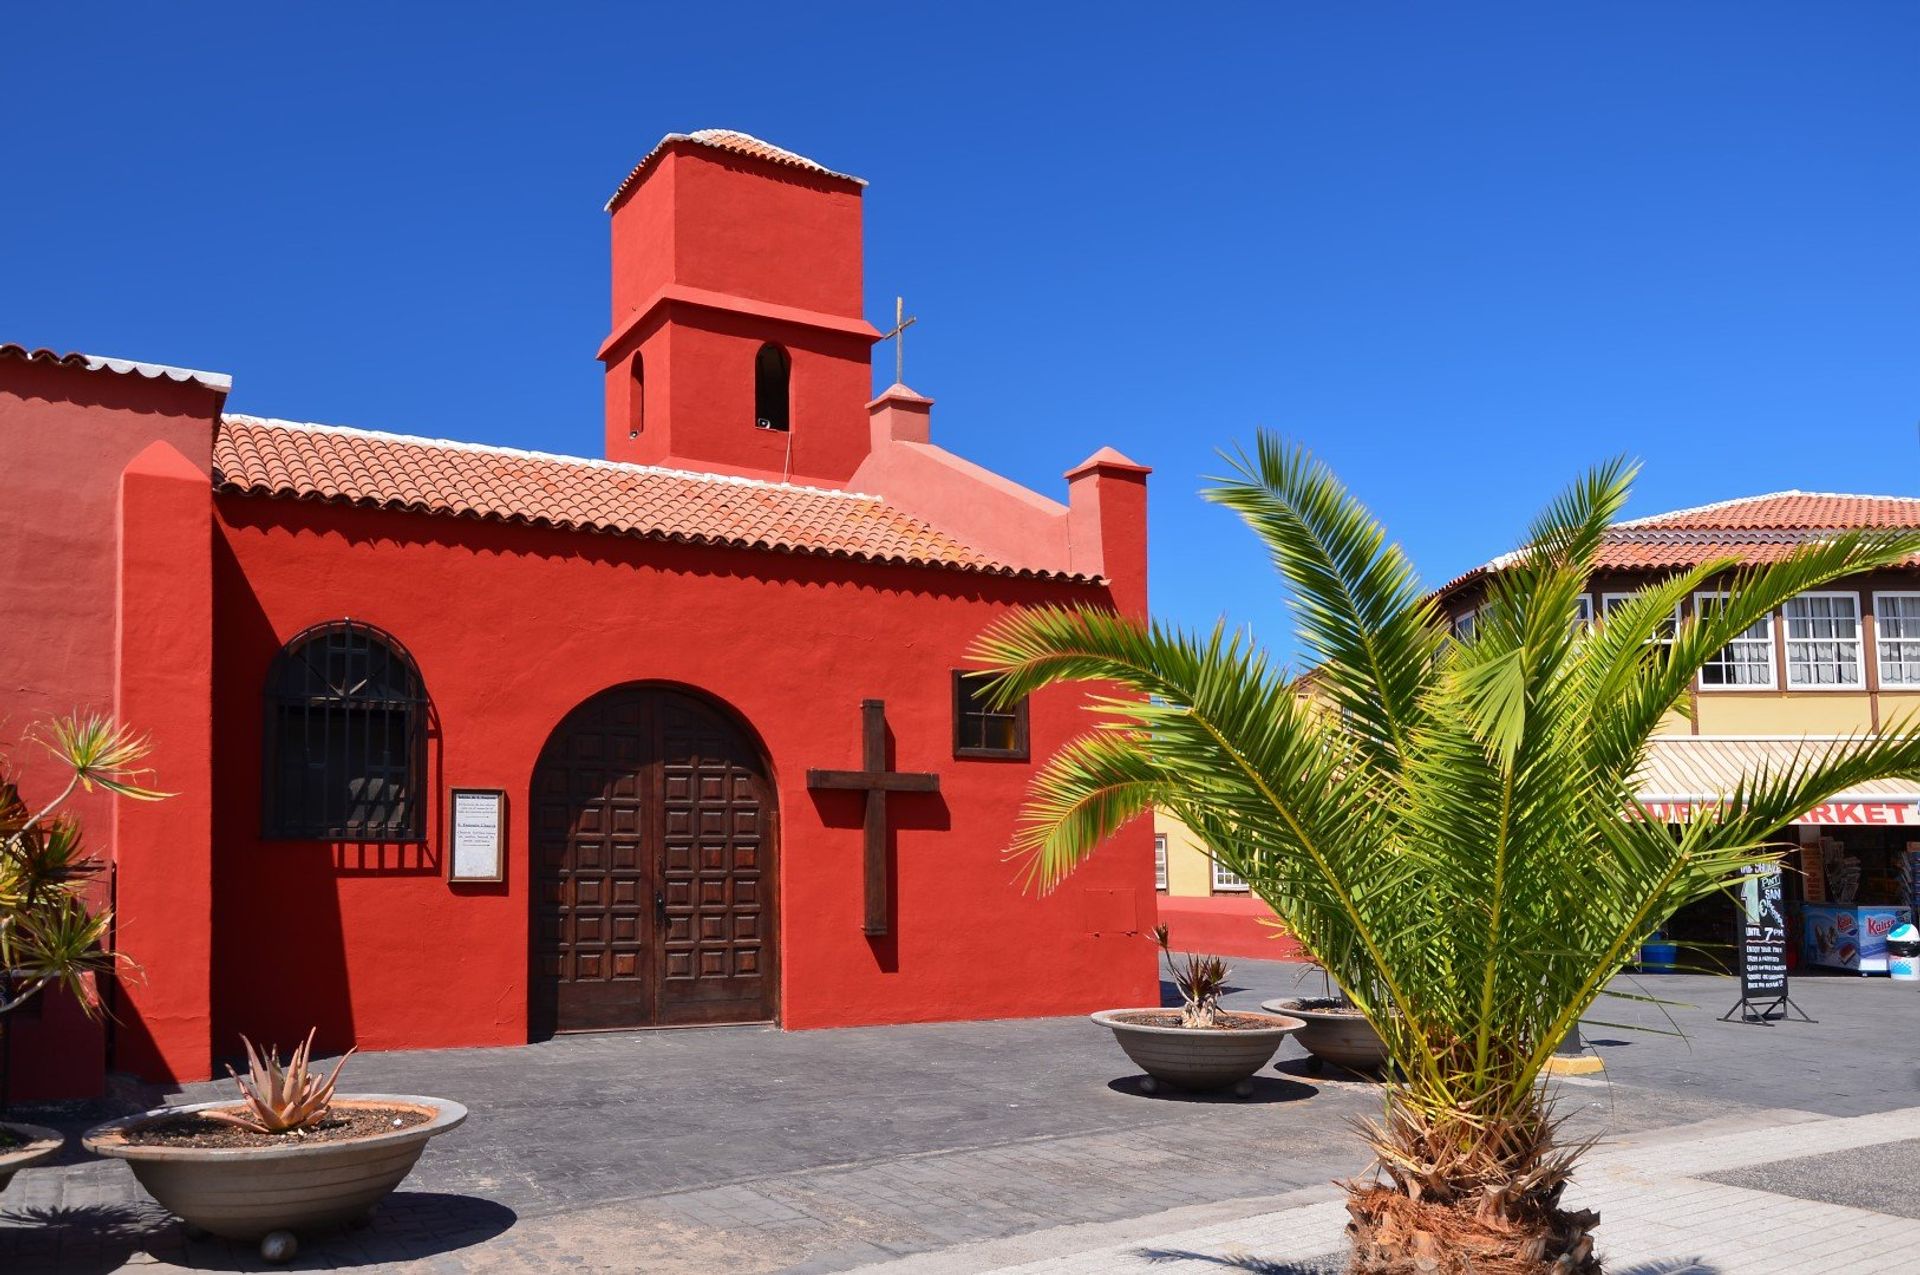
[(1198, 1058), (37, 1143), (268, 1193), (1345, 1040)]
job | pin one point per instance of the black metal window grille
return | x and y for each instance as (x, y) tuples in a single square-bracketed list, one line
[(346, 738), (980, 730)]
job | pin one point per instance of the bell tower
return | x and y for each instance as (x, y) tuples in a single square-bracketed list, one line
[(738, 345)]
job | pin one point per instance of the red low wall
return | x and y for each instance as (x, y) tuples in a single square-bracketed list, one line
[(1226, 925)]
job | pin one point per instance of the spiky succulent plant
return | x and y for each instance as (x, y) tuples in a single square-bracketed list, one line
[(1200, 979), (52, 930), (279, 1099)]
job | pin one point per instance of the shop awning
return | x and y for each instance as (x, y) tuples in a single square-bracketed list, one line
[(1684, 773)]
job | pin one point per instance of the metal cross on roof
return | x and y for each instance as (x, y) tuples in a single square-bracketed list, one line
[(899, 338)]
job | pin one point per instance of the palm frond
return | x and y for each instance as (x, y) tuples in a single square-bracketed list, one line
[(1363, 616)]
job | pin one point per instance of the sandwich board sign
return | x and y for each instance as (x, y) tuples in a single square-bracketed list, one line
[(1762, 947)]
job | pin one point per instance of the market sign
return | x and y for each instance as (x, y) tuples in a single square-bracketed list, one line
[(1827, 814)]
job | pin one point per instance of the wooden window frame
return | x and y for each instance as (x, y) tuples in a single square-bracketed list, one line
[(1608, 598), (1236, 886), (1880, 640), (1022, 742), (1859, 644), (1772, 641)]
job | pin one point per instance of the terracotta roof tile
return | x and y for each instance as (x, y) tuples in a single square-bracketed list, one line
[(1755, 529), (1789, 511), (727, 139), (258, 457)]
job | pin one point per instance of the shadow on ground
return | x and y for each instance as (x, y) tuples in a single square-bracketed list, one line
[(408, 1225), (1266, 1089), (1332, 1264)]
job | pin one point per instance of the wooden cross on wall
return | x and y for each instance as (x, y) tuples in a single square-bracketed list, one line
[(876, 781)]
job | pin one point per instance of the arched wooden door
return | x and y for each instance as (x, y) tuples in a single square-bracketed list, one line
[(653, 860)]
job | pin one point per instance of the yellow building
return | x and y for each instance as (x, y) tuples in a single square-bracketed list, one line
[(1838, 661)]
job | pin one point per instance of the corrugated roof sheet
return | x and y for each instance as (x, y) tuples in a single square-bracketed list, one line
[(100, 363), (258, 457), (1705, 768), (733, 141)]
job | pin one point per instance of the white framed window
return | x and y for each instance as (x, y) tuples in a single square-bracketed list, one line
[(1611, 602), (1225, 881), (1159, 860), (1582, 613), (1824, 649), (1744, 664), (1463, 623), (1896, 633)]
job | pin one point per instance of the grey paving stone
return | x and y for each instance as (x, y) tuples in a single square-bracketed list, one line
[(1882, 1179), (745, 1149)]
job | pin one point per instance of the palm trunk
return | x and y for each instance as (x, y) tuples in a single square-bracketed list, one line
[(1454, 1196)]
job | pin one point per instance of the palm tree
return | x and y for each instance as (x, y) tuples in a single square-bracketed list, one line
[(1448, 825)]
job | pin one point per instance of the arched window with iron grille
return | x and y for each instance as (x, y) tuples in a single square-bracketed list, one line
[(346, 738)]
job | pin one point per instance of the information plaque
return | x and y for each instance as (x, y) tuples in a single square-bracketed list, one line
[(478, 838)]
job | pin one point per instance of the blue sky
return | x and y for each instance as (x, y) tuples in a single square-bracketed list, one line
[(1462, 250)]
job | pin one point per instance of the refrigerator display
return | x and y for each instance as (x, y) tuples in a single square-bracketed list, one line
[(1849, 938)]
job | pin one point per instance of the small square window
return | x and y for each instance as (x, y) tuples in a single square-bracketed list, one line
[(1227, 882), (1746, 663), (979, 729)]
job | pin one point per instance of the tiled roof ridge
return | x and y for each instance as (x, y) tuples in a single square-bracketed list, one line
[(1791, 493), (262, 457), (559, 458), (734, 141), (1622, 534), (124, 367)]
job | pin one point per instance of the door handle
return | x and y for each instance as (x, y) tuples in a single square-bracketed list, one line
[(660, 908)]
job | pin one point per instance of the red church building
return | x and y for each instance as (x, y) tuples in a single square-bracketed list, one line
[(472, 745)]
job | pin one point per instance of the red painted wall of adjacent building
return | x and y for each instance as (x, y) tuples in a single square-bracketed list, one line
[(68, 434), (513, 626)]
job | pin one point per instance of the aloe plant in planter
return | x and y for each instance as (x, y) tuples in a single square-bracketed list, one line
[(289, 1157), (1201, 1046)]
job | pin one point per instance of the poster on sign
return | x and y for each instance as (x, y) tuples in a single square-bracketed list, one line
[(1763, 948), (1763, 935), (479, 840), (1813, 873)]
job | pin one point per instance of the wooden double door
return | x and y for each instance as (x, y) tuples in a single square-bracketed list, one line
[(653, 859)]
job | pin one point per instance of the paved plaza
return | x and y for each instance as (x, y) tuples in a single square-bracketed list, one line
[(1026, 1146)]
